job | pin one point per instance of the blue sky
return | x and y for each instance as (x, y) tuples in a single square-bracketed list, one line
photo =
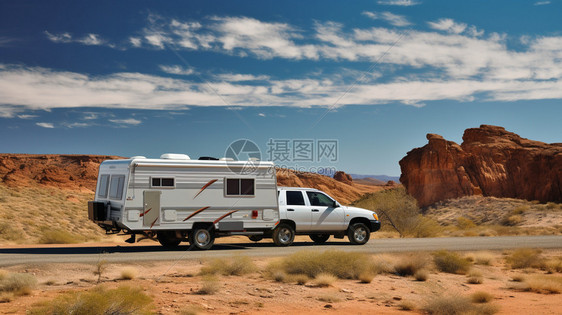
[(144, 78)]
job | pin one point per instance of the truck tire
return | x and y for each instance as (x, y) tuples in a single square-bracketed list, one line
[(358, 234), (202, 238), (168, 239), (319, 238), (255, 238), (283, 235)]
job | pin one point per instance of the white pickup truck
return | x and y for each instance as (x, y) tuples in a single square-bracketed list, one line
[(307, 211)]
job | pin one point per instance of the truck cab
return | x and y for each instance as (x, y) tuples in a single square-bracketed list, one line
[(313, 212)]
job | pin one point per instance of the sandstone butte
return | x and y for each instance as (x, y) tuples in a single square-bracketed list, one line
[(79, 173), (490, 161)]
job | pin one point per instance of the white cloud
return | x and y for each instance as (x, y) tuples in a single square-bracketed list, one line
[(135, 41), (176, 69), (404, 3), (45, 125), (448, 25), (77, 125), (393, 19), (236, 77), (27, 116), (128, 121), (6, 41), (261, 115), (542, 3), (89, 39), (59, 38)]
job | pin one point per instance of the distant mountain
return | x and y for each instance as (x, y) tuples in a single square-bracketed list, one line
[(384, 178)]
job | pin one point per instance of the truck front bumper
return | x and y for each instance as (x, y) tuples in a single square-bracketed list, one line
[(374, 225)]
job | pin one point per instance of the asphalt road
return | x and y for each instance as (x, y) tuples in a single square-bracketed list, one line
[(42, 255)]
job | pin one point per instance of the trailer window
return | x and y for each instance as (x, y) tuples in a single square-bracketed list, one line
[(116, 187), (104, 184), (240, 187), (295, 198), (162, 182)]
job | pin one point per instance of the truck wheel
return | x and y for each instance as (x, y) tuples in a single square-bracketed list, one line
[(202, 238), (283, 235), (319, 238), (358, 234), (168, 239), (255, 238)]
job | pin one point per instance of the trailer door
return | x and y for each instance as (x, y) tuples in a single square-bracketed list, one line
[(151, 207)]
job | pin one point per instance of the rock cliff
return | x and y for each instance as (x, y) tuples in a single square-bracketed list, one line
[(491, 162)]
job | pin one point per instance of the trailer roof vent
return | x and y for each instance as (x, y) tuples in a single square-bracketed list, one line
[(174, 156), (208, 158), (136, 157), (226, 159), (253, 159)]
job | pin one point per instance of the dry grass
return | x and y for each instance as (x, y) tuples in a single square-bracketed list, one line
[(327, 298), (406, 306), (100, 300), (210, 285), (129, 273), (234, 266), (525, 258), (553, 264), (344, 265), (17, 283), (27, 213), (481, 297), (421, 275), (324, 280), (512, 220), (475, 277), (544, 284), (56, 236), (409, 264), (465, 224), (453, 305), (366, 277), (100, 268), (451, 262), (483, 258)]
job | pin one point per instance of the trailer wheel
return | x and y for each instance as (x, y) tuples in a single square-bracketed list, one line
[(255, 238), (319, 238), (283, 235), (358, 234), (202, 238), (168, 239)]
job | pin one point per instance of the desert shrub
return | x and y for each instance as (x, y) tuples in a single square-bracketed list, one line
[(9, 232), (329, 298), (299, 279), (210, 285), (551, 205), (279, 276), (481, 297), (129, 273), (450, 262), (344, 265), (512, 220), (543, 284), (520, 210), (525, 258), (18, 283), (59, 237), (399, 210), (366, 277), (408, 265), (483, 258), (3, 274), (453, 305), (475, 277), (465, 223), (518, 278), (100, 268), (325, 279), (100, 300), (406, 306), (234, 266), (553, 265), (421, 275)]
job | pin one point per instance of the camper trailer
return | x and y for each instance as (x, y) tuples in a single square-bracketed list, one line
[(177, 199)]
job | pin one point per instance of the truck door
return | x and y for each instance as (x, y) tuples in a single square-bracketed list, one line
[(325, 217), (296, 209), (151, 211)]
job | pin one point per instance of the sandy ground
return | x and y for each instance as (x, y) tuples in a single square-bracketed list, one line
[(174, 285)]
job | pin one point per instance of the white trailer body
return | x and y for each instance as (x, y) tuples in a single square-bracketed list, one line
[(173, 195)]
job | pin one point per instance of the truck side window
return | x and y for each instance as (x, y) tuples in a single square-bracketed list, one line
[(295, 198), (116, 187), (104, 184), (319, 199)]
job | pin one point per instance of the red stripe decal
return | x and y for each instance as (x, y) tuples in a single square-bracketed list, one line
[(196, 212), (142, 214), (205, 186), (224, 216), (153, 223)]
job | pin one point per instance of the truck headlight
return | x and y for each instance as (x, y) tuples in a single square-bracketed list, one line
[(375, 216)]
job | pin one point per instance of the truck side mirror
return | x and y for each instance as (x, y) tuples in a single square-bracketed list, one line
[(335, 205)]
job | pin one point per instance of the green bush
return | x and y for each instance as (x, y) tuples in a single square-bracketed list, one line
[(450, 262), (100, 300)]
